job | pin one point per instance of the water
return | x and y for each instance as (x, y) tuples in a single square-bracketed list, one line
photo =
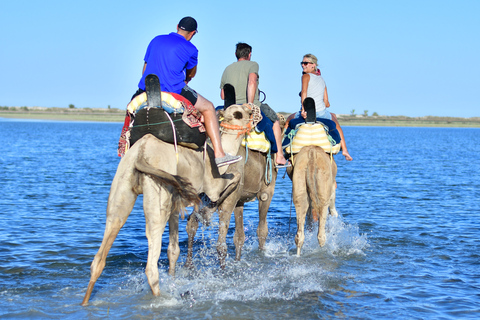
[(406, 243)]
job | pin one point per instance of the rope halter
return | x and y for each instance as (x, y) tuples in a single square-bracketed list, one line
[(255, 117)]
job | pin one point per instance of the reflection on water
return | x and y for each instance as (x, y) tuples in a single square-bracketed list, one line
[(405, 243)]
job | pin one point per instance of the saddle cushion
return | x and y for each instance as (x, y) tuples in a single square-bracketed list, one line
[(311, 134), (257, 141), (170, 103)]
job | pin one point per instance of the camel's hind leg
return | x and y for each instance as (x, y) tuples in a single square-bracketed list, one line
[(156, 205), (120, 203), (331, 205), (192, 227), (321, 236), (173, 251), (300, 199)]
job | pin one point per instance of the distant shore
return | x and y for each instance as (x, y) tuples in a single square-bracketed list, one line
[(118, 115)]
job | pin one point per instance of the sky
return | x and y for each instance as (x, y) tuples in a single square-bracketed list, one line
[(412, 58)]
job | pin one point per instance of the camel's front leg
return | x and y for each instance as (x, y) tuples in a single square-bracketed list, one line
[(192, 227), (264, 200), (156, 205), (173, 250), (120, 203), (239, 236), (224, 214)]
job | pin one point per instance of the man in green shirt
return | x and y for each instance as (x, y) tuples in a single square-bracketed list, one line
[(243, 76)]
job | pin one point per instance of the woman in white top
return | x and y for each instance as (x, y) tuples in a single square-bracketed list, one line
[(313, 86)]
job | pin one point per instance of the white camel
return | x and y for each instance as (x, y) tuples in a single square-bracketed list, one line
[(170, 179)]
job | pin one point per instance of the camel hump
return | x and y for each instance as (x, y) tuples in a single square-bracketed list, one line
[(229, 95), (309, 107), (152, 87)]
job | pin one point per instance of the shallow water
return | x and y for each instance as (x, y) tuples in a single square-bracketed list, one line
[(404, 246)]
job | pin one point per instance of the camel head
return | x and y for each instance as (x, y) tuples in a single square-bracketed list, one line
[(239, 117)]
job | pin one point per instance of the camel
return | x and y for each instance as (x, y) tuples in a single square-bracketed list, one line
[(170, 178), (253, 185), (313, 185)]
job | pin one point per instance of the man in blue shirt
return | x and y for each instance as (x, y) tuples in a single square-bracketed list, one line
[(173, 58)]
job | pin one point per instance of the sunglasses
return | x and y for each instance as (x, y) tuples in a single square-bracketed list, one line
[(304, 63)]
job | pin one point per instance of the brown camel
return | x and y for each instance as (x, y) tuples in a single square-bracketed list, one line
[(170, 179), (253, 185), (313, 186)]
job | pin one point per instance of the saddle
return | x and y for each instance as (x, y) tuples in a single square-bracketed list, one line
[(261, 138), (311, 131), (168, 116)]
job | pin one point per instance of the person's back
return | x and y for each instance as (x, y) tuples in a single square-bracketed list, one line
[(243, 76), (168, 56), (236, 74)]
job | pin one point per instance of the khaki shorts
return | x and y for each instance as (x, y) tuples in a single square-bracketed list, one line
[(272, 115)]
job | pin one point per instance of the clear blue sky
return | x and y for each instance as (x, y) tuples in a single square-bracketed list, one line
[(413, 58)]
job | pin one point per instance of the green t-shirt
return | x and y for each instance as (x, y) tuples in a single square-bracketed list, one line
[(236, 74)]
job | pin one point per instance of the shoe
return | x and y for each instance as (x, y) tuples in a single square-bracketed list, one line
[(228, 159), (286, 165)]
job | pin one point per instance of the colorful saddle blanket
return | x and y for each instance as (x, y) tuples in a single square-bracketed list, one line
[(177, 121), (300, 134)]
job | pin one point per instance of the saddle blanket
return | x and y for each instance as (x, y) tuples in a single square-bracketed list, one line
[(257, 141), (176, 105), (310, 134)]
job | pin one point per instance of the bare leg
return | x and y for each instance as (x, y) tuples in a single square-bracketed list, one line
[(277, 131), (290, 117), (342, 143), (207, 110)]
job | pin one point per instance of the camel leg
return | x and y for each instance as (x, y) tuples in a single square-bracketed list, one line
[(156, 205), (224, 213), (264, 200), (239, 236), (301, 206), (333, 209), (120, 203), (173, 250), (321, 236), (192, 227)]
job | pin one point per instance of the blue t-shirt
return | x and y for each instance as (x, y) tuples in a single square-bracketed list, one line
[(168, 56)]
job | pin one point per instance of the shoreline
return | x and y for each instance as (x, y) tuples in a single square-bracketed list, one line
[(117, 115)]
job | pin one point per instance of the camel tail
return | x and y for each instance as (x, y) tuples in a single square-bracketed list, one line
[(315, 187), (183, 193)]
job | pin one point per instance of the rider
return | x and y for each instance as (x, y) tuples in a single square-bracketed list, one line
[(243, 76), (173, 58)]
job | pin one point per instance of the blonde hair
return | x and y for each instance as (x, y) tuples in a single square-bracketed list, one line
[(312, 59)]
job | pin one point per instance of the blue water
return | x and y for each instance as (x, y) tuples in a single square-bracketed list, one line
[(405, 246)]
